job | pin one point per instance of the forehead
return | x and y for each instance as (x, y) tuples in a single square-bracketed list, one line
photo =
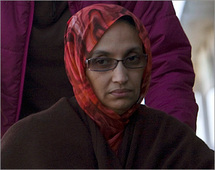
[(119, 37)]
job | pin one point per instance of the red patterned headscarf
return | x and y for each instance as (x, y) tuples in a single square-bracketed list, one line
[(84, 30)]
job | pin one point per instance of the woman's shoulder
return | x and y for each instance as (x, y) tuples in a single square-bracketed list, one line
[(42, 138), (147, 112), (163, 139), (161, 120), (64, 111)]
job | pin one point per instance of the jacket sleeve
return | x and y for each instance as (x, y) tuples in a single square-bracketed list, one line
[(172, 71), (16, 20)]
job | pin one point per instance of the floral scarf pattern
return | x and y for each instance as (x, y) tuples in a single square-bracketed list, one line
[(83, 31)]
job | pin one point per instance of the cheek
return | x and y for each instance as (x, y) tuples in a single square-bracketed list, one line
[(98, 82), (137, 78), (137, 82)]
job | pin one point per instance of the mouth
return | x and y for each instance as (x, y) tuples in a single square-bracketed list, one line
[(121, 93)]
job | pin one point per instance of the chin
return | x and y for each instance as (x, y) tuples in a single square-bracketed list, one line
[(121, 110), (120, 106)]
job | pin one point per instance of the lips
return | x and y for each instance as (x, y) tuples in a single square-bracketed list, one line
[(121, 92)]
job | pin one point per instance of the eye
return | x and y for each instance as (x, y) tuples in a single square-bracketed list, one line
[(133, 59), (101, 61)]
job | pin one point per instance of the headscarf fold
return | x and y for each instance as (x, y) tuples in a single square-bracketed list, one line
[(83, 31)]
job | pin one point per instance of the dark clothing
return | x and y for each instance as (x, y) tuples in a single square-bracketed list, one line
[(65, 137), (45, 79)]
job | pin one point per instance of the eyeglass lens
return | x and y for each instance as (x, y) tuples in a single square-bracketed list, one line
[(105, 63)]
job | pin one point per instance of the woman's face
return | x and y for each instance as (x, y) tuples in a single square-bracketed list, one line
[(117, 89)]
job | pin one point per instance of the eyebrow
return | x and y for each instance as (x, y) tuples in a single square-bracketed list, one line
[(96, 52), (132, 49)]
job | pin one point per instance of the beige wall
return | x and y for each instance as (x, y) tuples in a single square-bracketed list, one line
[(198, 22)]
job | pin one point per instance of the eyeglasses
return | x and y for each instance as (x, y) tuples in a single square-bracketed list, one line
[(102, 64)]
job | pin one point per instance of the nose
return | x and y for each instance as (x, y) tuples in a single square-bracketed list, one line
[(120, 74)]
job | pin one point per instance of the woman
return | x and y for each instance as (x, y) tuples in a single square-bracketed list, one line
[(108, 62)]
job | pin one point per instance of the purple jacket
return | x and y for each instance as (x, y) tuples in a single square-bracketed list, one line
[(172, 71)]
